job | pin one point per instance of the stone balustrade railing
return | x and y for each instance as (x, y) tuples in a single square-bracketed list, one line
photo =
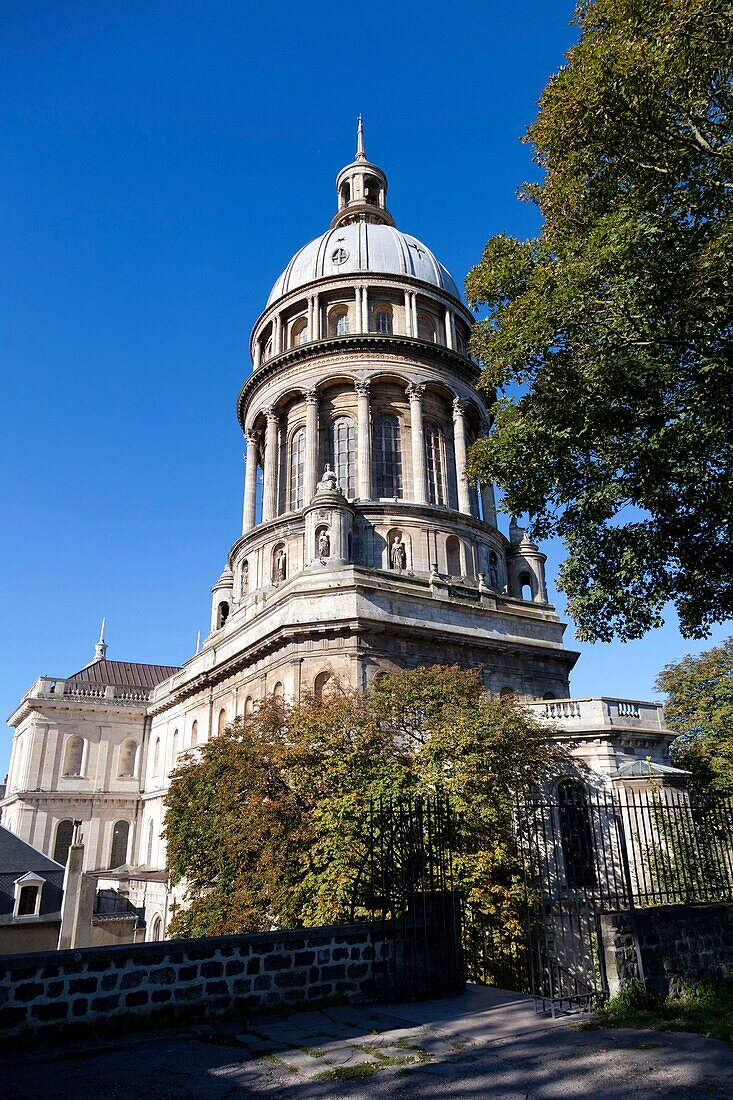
[(47, 687), (600, 711)]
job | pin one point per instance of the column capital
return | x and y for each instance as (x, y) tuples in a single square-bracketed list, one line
[(362, 386), (415, 391), (272, 414), (311, 396), (459, 408), (252, 437)]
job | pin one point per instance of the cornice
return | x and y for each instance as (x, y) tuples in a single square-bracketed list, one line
[(422, 351)]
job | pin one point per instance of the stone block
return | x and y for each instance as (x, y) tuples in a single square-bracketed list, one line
[(132, 979), (108, 982), (137, 998), (336, 972), (234, 967), (339, 953), (263, 981), (278, 962), (305, 958), (212, 969), (80, 1007), (291, 979), (159, 996), (188, 973), (106, 1004), (46, 1013), (214, 989), (166, 975), (189, 994), (29, 991), (254, 965)]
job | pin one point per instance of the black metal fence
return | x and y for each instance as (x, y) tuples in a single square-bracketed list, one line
[(587, 851), (408, 888)]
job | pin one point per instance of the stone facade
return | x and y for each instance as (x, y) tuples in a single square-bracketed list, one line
[(364, 548)]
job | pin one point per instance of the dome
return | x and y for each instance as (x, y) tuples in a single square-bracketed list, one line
[(360, 247)]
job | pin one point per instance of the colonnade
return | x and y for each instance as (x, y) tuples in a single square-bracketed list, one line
[(281, 326), (265, 450)]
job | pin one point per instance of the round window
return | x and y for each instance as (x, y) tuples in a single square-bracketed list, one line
[(340, 256)]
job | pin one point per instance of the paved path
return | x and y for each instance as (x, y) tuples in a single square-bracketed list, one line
[(482, 1044)]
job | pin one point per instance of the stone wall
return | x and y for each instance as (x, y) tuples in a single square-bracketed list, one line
[(680, 946), (67, 990)]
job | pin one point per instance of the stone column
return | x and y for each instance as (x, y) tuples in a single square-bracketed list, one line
[(450, 342), (311, 445), (250, 483), (365, 309), (419, 484), (275, 335), (364, 440), (459, 437), (414, 314), (269, 481), (257, 353), (316, 318), (408, 315)]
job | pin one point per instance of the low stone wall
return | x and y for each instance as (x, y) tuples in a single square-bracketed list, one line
[(680, 946), (67, 990)]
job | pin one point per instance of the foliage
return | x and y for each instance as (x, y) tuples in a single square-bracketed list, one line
[(267, 824), (613, 328), (706, 1009), (699, 708)]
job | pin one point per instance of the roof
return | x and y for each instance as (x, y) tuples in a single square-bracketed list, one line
[(645, 768), (381, 249), (17, 857), (123, 674)]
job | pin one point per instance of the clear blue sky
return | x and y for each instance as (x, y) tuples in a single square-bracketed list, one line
[(162, 160)]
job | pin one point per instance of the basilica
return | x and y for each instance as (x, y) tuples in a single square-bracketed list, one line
[(364, 548)]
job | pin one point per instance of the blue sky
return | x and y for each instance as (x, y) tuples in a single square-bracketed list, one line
[(163, 159)]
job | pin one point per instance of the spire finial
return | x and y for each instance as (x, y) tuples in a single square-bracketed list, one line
[(100, 649), (360, 154)]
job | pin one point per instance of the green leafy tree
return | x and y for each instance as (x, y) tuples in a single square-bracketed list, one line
[(610, 336), (699, 708), (267, 825)]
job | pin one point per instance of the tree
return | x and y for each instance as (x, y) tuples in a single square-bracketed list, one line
[(699, 709), (610, 336), (267, 825)]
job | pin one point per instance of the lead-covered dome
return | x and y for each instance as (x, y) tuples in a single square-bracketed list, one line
[(360, 247)]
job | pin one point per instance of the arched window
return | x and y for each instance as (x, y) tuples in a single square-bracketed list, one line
[(426, 327), (175, 746), (297, 469), (388, 456), (277, 692), (345, 193), (128, 755), (64, 834), (576, 835), (74, 757), (156, 757), (525, 586), (342, 454), (267, 353), (434, 451), (453, 556), (156, 930), (506, 693), (194, 734), (549, 696), (248, 707), (338, 322), (382, 320), (222, 723), (120, 836), (493, 569), (151, 838), (319, 685), (300, 332), (222, 614), (371, 190)]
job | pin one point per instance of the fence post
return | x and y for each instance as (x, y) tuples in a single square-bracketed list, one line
[(618, 814)]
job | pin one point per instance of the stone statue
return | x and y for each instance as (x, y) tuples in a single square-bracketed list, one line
[(280, 565), (244, 580), (324, 545), (397, 554), (329, 481)]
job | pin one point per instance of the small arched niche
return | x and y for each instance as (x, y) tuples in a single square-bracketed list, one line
[(323, 548), (222, 614), (398, 550), (526, 586), (128, 759), (277, 693), (279, 563), (453, 556), (320, 685), (74, 756), (221, 724)]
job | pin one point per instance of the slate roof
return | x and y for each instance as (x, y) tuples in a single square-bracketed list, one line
[(16, 859), (123, 674)]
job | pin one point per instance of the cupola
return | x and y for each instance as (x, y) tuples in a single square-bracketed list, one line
[(361, 188)]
